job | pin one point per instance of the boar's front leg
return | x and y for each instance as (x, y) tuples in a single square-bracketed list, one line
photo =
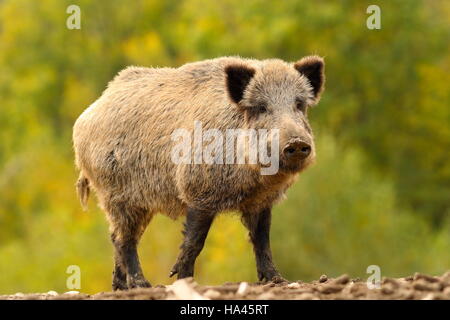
[(195, 231), (258, 225)]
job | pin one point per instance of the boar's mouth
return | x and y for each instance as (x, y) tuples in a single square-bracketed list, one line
[(292, 167), (295, 166)]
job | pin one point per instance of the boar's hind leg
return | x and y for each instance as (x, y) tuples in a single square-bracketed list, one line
[(127, 226), (119, 281), (195, 231), (258, 225)]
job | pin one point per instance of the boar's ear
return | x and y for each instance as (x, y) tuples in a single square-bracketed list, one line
[(312, 67), (238, 77)]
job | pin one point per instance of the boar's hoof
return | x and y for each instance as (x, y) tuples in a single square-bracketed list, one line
[(174, 270), (272, 276), (119, 281), (278, 279), (137, 282), (182, 270), (119, 285)]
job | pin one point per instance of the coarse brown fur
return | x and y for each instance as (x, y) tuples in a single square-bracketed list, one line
[(123, 141)]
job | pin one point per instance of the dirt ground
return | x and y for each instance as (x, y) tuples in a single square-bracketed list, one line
[(419, 287)]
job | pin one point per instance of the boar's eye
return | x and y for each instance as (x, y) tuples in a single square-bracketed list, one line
[(301, 105), (261, 108), (253, 112)]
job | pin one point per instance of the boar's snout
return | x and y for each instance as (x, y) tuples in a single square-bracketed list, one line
[(296, 149)]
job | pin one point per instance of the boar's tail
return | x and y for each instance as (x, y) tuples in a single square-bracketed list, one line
[(83, 190)]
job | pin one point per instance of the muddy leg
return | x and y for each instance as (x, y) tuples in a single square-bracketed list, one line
[(195, 231), (258, 226), (127, 227)]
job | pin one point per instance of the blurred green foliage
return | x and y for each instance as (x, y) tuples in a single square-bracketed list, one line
[(379, 193)]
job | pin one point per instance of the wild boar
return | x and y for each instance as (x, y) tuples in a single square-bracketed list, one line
[(124, 145)]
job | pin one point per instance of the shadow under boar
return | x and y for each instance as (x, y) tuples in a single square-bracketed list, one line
[(123, 145)]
